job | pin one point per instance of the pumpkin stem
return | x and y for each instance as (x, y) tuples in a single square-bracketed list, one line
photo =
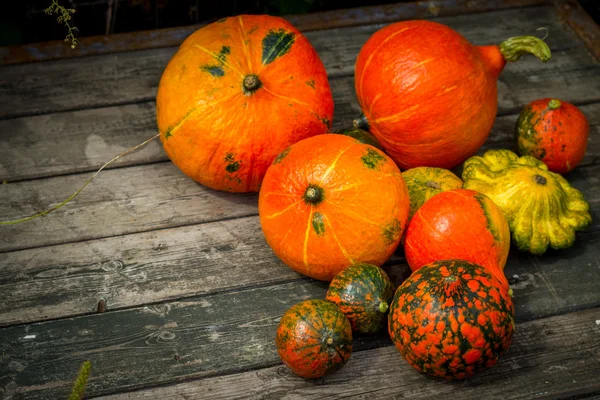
[(314, 194), (361, 122), (329, 341), (540, 180), (251, 84), (554, 104), (383, 306), (433, 185), (513, 48)]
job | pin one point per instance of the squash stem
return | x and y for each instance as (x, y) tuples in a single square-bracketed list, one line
[(383, 306), (251, 84), (361, 122), (554, 104), (314, 194), (513, 48)]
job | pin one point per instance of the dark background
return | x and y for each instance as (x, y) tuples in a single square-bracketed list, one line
[(24, 21)]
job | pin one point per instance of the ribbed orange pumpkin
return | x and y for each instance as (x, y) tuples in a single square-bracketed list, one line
[(236, 93), (428, 95), (329, 202)]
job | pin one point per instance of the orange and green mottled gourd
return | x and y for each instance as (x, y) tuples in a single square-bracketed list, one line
[(451, 319), (329, 202), (541, 207), (237, 93), (428, 95), (363, 292), (459, 224), (425, 182), (553, 131), (314, 338)]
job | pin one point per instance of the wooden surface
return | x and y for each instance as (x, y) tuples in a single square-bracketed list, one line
[(192, 292)]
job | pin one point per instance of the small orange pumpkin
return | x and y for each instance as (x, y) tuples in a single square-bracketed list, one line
[(458, 224), (553, 131), (329, 202), (236, 93)]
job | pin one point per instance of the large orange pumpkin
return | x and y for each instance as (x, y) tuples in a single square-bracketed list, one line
[(329, 202), (458, 224), (236, 93), (428, 95)]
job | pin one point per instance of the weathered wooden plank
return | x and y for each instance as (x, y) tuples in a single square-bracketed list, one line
[(221, 334), (143, 198), (551, 358), (80, 141), (124, 200), (582, 23), (133, 270), (168, 37), (134, 76)]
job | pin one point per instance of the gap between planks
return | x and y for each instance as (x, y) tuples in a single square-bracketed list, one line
[(168, 37), (381, 372), (135, 76)]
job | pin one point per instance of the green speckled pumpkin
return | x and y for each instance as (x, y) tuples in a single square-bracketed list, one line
[(541, 208), (314, 338), (451, 319), (363, 292), (425, 182)]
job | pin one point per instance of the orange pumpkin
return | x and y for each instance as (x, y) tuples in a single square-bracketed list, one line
[(236, 93), (329, 202), (458, 224), (428, 95), (553, 131)]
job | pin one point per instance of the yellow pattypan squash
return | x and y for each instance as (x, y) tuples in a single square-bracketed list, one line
[(540, 206)]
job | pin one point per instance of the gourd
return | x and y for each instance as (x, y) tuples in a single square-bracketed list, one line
[(459, 224), (428, 95), (329, 202), (314, 338), (541, 207), (237, 93), (451, 319), (363, 292), (425, 182), (553, 131)]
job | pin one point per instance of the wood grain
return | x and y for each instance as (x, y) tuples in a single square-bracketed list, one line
[(136, 269), (120, 42), (130, 77), (82, 141), (156, 196), (224, 334), (551, 358)]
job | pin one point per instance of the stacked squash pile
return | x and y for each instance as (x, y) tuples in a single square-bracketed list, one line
[(245, 105)]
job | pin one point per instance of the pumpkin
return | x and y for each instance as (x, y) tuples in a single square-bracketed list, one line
[(553, 131), (425, 182), (362, 136), (329, 202), (451, 319), (237, 93), (461, 224), (314, 338), (541, 208), (427, 94), (363, 292)]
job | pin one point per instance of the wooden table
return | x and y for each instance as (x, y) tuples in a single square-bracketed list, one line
[(192, 292)]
